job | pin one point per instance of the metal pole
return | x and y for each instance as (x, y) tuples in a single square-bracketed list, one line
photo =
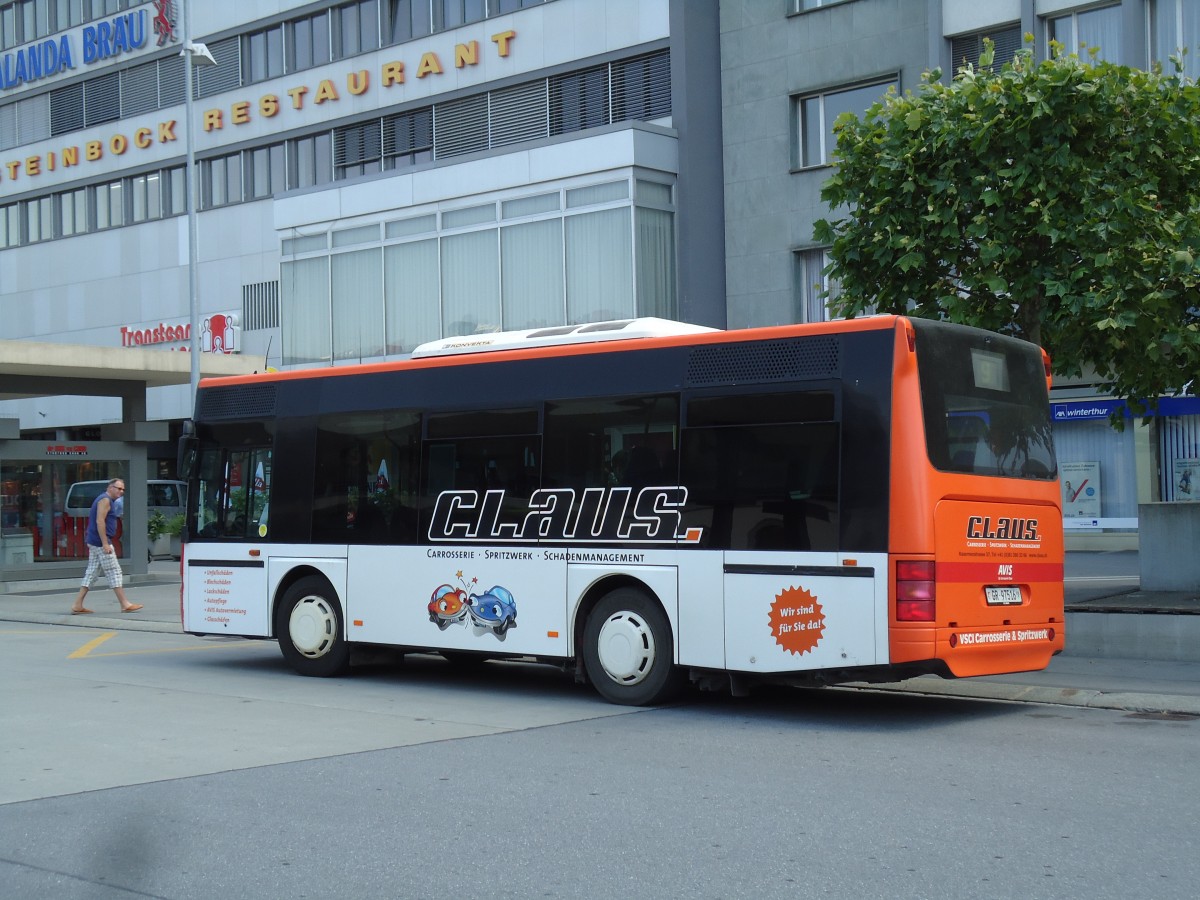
[(190, 181)]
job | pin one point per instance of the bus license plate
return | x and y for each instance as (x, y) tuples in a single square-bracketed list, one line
[(1003, 596)]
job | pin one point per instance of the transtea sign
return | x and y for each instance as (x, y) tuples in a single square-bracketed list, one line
[(219, 333), (94, 43)]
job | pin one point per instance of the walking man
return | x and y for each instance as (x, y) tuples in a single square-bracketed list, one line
[(101, 529)]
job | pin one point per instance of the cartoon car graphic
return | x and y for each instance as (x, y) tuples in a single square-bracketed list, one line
[(447, 606), (494, 610)]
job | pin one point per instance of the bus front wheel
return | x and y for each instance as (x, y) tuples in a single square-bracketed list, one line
[(308, 623), (627, 650)]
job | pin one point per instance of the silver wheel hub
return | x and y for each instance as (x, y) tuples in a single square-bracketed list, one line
[(625, 647), (312, 626)]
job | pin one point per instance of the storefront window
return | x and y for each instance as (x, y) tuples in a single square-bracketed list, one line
[(36, 522)]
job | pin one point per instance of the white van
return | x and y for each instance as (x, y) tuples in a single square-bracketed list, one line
[(166, 497)]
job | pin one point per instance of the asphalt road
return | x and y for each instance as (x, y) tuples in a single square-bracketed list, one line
[(153, 765)]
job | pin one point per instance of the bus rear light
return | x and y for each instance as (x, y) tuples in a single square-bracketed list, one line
[(916, 593)]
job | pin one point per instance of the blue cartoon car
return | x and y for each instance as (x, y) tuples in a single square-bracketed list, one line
[(494, 610)]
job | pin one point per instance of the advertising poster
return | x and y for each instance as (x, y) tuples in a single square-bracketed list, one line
[(1080, 489), (1185, 478)]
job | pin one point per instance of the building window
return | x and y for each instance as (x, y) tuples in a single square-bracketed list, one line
[(578, 253), (146, 192), (304, 289), (221, 181), (408, 138), (309, 44), (1175, 24), (641, 88), (102, 99), (226, 74), (262, 55), (356, 28), (176, 204), (10, 225), (66, 109), (267, 173), (406, 19), (814, 115), (965, 48), (453, 13), (357, 150), (110, 205), (309, 161), (39, 218), (1079, 32), (139, 89), (579, 100), (811, 285), (72, 212), (356, 284)]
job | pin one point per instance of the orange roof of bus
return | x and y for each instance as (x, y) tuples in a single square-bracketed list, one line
[(868, 323)]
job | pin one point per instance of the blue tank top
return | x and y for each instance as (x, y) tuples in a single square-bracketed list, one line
[(110, 521)]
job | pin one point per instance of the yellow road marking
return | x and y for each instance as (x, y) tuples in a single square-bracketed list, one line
[(92, 645)]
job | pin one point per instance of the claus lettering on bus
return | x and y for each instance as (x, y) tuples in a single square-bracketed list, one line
[(595, 515)]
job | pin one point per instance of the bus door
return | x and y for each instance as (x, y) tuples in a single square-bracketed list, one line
[(781, 617), (226, 590)]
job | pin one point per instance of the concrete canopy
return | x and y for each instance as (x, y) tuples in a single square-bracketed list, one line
[(35, 369)]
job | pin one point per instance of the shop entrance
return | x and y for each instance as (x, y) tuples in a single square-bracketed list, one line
[(46, 490), (42, 521)]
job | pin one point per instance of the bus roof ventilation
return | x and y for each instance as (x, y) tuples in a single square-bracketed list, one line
[(251, 401), (785, 360), (617, 330)]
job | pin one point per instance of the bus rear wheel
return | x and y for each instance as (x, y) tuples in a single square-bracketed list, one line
[(308, 623), (627, 650)]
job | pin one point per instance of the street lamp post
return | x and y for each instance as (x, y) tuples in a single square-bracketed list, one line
[(194, 55)]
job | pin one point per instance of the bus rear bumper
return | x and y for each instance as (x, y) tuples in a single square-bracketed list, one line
[(983, 650)]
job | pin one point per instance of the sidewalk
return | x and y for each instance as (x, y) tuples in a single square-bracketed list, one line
[(1162, 687)]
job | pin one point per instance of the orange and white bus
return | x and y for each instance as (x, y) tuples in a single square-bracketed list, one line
[(642, 503)]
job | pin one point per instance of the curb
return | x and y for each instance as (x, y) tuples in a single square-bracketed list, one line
[(96, 620), (1128, 701)]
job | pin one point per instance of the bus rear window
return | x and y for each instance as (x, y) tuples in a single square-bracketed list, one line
[(985, 403)]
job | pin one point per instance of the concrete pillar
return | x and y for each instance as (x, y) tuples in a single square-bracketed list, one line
[(1169, 534)]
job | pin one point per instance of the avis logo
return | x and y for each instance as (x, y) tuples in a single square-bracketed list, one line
[(1004, 570)]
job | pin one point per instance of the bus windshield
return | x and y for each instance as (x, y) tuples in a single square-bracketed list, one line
[(984, 396)]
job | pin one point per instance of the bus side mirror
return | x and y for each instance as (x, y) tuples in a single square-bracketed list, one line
[(185, 456)]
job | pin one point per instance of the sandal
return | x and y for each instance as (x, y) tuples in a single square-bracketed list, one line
[(82, 612), (132, 607)]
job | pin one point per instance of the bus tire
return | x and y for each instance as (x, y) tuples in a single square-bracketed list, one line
[(308, 623), (628, 652)]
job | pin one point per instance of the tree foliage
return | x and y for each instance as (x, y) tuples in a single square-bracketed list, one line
[(1058, 201)]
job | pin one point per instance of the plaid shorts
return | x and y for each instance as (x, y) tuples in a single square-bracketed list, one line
[(98, 559)]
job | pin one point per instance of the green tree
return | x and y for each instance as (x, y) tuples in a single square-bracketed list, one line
[(1058, 201)]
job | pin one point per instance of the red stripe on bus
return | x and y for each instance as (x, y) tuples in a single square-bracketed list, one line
[(998, 572)]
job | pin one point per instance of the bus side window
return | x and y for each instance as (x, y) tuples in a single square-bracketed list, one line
[(605, 442), (762, 470)]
